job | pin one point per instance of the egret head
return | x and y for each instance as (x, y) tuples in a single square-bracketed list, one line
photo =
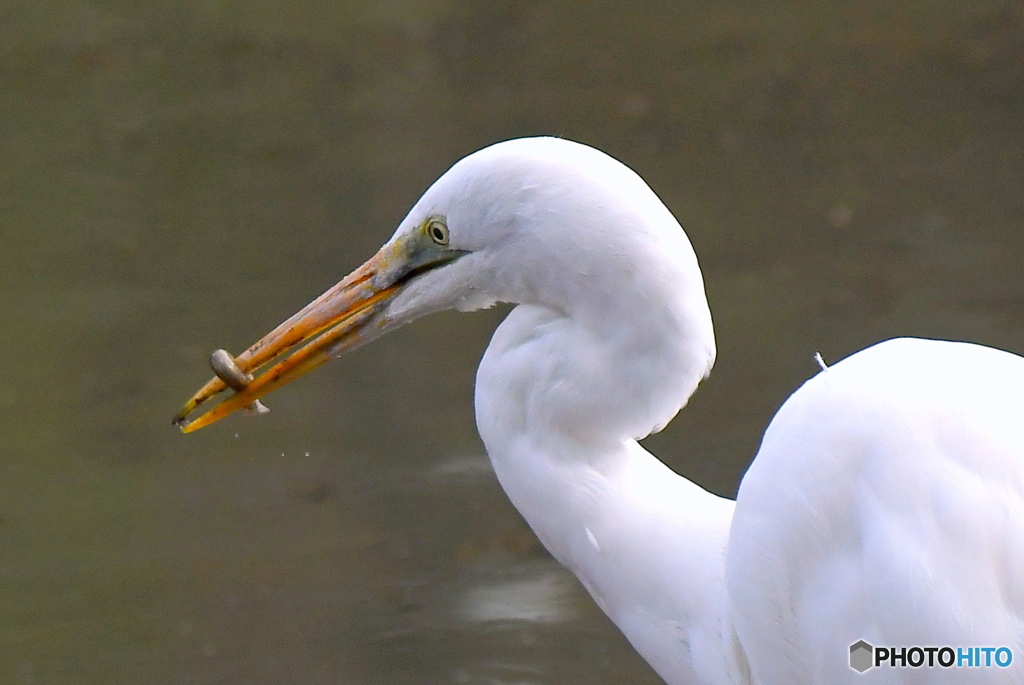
[(529, 221)]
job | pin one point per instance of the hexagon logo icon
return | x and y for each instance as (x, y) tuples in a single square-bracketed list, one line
[(861, 656)]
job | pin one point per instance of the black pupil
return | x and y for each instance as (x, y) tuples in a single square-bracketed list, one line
[(438, 233)]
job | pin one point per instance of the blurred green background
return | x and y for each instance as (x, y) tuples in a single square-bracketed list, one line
[(181, 176)]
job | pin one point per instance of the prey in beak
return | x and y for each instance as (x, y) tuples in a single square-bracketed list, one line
[(351, 313)]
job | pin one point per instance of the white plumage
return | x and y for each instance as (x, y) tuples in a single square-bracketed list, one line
[(886, 502)]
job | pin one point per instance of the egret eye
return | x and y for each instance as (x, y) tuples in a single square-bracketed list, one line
[(438, 231)]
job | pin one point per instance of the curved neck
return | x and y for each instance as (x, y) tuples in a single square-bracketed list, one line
[(647, 544)]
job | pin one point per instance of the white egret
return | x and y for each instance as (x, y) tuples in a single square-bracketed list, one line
[(886, 502)]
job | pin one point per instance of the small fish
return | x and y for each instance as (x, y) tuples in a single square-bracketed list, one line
[(223, 364)]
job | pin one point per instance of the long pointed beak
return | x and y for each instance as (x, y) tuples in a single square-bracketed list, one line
[(333, 323)]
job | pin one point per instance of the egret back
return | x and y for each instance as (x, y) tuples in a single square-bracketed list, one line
[(886, 503)]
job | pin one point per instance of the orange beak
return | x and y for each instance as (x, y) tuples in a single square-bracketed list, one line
[(333, 323)]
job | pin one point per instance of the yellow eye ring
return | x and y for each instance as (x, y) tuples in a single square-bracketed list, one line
[(438, 231)]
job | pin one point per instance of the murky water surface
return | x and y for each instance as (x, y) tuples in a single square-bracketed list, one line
[(181, 176)]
